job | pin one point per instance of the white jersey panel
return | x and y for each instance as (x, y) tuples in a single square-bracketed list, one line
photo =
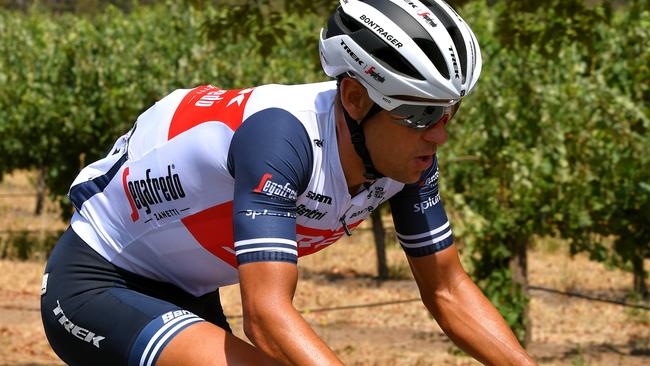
[(164, 210), (152, 127)]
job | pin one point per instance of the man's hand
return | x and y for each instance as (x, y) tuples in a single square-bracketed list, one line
[(270, 320), (463, 312)]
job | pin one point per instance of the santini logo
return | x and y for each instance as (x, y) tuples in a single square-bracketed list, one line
[(314, 214), (144, 193), (270, 188)]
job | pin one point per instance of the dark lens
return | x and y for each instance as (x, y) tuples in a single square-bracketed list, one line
[(430, 110), (428, 116), (420, 116)]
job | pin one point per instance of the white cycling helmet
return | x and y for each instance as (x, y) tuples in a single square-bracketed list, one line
[(416, 59), (402, 48)]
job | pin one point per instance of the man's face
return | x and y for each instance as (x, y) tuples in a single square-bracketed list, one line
[(400, 152)]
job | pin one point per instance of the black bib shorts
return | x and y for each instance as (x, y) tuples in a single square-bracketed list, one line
[(95, 313)]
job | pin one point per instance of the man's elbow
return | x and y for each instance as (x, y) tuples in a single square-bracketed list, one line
[(443, 302), (438, 305), (254, 325), (262, 320)]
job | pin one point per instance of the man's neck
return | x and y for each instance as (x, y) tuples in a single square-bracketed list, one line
[(350, 162)]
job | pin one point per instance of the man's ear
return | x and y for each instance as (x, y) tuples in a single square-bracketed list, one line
[(355, 98)]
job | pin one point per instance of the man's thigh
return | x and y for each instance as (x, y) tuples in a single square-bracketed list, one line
[(97, 314), (117, 326)]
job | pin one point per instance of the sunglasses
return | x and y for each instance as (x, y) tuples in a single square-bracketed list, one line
[(414, 114), (421, 117)]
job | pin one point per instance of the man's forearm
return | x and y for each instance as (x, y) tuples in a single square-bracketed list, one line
[(288, 338), (475, 325), (270, 320)]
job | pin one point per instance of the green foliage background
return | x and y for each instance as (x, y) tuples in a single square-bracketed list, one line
[(69, 85), (553, 142)]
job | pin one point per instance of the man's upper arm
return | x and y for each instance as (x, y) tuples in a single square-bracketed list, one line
[(420, 220), (270, 159)]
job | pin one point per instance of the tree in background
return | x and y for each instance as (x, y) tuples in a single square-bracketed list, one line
[(543, 116), (73, 6), (71, 85), (610, 153)]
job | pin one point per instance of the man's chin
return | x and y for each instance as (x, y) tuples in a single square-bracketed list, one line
[(407, 179)]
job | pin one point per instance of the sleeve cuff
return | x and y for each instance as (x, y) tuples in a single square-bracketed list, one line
[(263, 256), (429, 249)]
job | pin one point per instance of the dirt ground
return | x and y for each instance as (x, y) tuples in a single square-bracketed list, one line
[(347, 306), (566, 331)]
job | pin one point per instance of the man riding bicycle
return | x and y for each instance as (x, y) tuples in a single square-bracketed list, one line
[(213, 187)]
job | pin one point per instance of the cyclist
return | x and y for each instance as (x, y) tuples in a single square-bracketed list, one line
[(212, 187)]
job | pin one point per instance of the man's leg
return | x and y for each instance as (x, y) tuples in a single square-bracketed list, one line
[(206, 344)]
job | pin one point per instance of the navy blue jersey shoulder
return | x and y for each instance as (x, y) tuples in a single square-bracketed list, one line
[(82, 192), (277, 132), (271, 160), (419, 206)]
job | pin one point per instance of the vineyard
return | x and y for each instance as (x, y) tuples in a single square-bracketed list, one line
[(553, 146)]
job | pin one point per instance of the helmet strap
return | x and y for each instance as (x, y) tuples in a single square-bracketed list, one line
[(359, 139)]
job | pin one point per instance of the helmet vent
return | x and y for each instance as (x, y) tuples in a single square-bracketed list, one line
[(457, 37), (389, 57), (374, 45), (454, 32), (434, 54), (340, 23), (350, 23)]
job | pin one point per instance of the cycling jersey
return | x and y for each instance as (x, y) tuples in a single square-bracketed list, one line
[(208, 179)]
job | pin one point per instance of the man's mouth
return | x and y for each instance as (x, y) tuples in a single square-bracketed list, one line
[(424, 161)]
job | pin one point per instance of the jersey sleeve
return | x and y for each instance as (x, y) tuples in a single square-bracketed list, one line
[(420, 220), (270, 159)]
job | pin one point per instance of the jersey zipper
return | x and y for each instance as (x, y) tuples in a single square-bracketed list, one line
[(366, 188), (345, 225)]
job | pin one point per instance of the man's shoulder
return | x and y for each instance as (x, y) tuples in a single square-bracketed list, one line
[(298, 89), (314, 97), (298, 97)]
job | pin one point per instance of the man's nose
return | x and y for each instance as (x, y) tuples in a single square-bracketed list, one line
[(437, 133)]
